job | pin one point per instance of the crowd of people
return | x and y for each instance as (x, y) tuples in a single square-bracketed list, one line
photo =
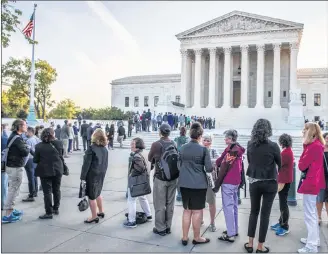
[(186, 169)]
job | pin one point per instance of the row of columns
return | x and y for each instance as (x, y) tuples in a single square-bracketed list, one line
[(186, 75)]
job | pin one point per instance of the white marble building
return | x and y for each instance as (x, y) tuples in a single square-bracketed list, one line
[(236, 68)]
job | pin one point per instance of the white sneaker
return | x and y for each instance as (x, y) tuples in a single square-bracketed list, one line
[(303, 240), (307, 250)]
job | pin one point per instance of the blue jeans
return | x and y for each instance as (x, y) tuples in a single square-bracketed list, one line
[(4, 188), (70, 143), (32, 180)]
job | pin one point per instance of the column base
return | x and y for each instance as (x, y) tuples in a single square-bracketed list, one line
[(259, 106), (243, 106), (275, 107), (211, 106)]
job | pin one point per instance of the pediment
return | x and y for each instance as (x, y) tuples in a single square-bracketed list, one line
[(239, 22)]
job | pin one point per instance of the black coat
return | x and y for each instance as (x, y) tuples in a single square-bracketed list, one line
[(48, 160), (17, 151), (84, 128), (94, 169)]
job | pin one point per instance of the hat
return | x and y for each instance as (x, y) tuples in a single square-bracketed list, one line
[(165, 128)]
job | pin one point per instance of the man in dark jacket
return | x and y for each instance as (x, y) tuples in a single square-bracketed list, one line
[(143, 121), (148, 119), (16, 158), (84, 134), (121, 135), (90, 131)]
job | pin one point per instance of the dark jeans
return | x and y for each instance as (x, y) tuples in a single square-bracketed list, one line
[(51, 185), (88, 142), (284, 210), (84, 139), (70, 143), (265, 190), (32, 180), (129, 131)]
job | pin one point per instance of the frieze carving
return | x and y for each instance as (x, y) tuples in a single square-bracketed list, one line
[(237, 24)]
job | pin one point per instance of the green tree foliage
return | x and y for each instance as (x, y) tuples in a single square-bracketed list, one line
[(22, 114), (9, 22), (17, 73), (108, 113), (65, 109), (13, 101)]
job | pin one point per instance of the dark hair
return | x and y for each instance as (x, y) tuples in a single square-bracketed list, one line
[(261, 131), (58, 126), (325, 135), (140, 144), (31, 129), (183, 131), (285, 140), (16, 124), (84, 121), (48, 135), (196, 130)]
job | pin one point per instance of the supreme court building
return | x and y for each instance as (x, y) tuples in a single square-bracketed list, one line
[(236, 68)]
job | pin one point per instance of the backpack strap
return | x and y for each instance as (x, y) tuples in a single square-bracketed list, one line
[(12, 141)]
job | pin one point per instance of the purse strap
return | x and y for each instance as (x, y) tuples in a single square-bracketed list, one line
[(324, 156), (60, 156)]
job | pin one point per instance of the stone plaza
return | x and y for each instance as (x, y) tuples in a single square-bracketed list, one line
[(67, 232)]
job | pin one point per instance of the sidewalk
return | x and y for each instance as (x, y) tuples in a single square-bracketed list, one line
[(67, 232)]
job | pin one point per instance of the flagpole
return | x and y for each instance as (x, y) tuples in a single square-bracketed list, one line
[(31, 118)]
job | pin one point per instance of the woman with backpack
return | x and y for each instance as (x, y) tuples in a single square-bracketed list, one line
[(194, 164), (138, 167), (230, 163), (210, 195), (180, 141)]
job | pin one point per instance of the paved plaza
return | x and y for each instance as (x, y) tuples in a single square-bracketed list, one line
[(67, 232)]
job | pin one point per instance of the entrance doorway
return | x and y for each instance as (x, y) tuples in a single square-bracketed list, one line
[(236, 94)]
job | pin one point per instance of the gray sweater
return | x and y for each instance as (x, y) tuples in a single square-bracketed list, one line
[(191, 165)]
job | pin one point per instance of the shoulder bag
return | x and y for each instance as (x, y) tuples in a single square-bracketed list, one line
[(139, 185), (4, 154), (66, 170)]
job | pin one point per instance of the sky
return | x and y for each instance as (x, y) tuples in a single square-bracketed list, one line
[(90, 43)]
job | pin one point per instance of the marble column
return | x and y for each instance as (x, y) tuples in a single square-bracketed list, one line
[(293, 66), (260, 76), (227, 78), (212, 69), (198, 77), (244, 76), (183, 90), (188, 80), (276, 76)]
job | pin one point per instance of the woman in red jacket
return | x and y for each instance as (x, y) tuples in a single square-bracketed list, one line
[(311, 165), (285, 177)]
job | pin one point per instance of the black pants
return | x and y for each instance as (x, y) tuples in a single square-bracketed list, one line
[(284, 210), (85, 141), (265, 190), (129, 131), (89, 142), (51, 185), (32, 180)]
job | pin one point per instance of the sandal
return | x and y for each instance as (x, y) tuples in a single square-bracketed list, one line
[(227, 238), (267, 250), (195, 242), (184, 242), (248, 249)]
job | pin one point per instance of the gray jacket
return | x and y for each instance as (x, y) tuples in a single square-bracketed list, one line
[(64, 133), (192, 161)]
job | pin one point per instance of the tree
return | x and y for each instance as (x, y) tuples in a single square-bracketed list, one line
[(13, 101), (65, 109), (17, 73), (9, 22), (22, 114)]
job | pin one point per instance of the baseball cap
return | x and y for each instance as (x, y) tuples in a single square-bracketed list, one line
[(165, 128)]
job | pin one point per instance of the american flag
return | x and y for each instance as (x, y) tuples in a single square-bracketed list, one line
[(27, 31)]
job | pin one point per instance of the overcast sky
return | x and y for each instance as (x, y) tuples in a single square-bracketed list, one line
[(92, 43)]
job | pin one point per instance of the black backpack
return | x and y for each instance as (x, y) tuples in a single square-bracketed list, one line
[(141, 217), (168, 163)]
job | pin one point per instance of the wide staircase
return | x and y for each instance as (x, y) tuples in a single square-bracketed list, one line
[(218, 142)]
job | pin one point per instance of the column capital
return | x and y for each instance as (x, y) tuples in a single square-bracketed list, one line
[(294, 45), (198, 52), (227, 50), (244, 48), (184, 52), (212, 51), (260, 47), (277, 46)]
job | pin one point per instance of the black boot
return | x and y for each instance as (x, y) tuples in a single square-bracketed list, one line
[(45, 216)]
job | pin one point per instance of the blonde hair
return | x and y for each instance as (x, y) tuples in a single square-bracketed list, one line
[(310, 132), (99, 138)]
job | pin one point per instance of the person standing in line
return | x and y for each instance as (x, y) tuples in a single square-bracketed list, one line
[(264, 159), (70, 138), (57, 132), (130, 126), (4, 175), (180, 141), (89, 134), (93, 173), (232, 157), (323, 194), (64, 137), (210, 195), (165, 118), (120, 135), (84, 134), (14, 168), (76, 137), (285, 178), (163, 191), (194, 163), (159, 120), (50, 169), (111, 136), (30, 166), (148, 120), (311, 166), (154, 122), (138, 166)]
